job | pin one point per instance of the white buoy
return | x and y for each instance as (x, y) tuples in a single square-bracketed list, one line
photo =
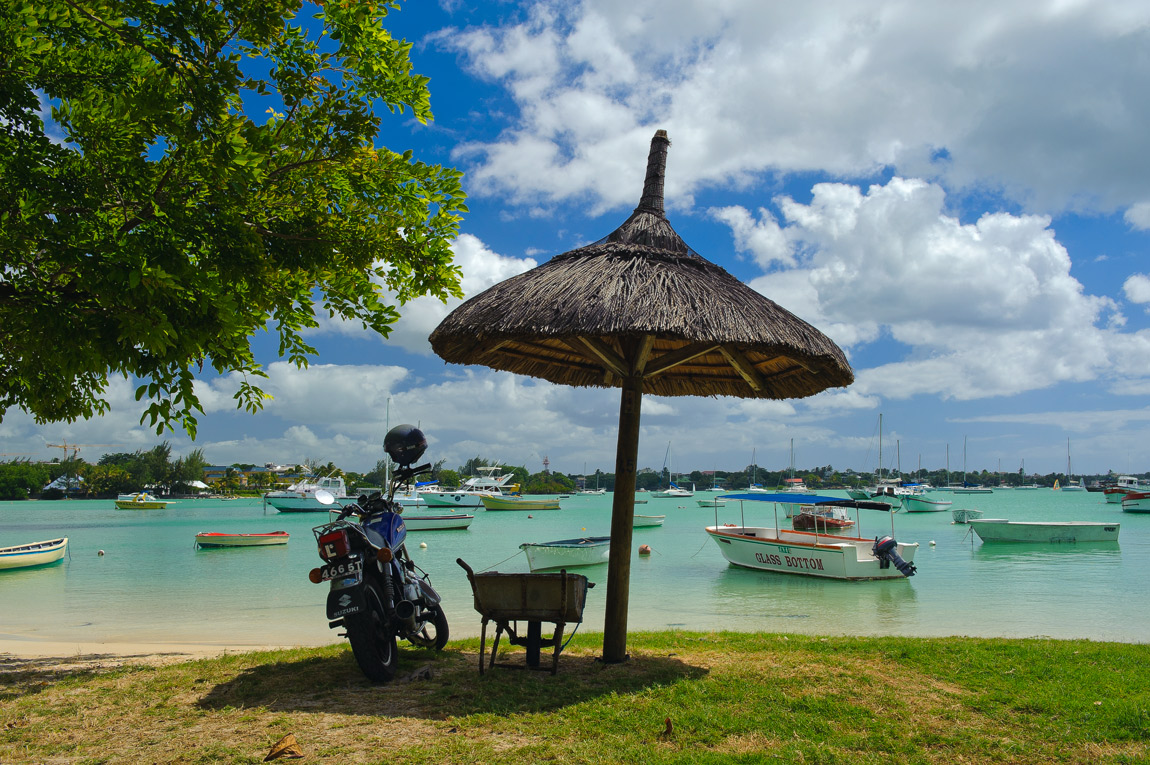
[(423, 545), (932, 543)]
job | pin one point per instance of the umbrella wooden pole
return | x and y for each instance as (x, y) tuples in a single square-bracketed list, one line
[(622, 522)]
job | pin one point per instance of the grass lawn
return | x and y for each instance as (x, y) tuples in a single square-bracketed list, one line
[(729, 697)]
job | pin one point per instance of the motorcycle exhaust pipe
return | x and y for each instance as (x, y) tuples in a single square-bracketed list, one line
[(405, 613)]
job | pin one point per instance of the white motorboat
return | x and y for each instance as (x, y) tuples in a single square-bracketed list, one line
[(300, 496), (814, 554), (1002, 530), (33, 553), (567, 553), (489, 481)]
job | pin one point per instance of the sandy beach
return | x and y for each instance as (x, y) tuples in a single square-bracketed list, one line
[(23, 654)]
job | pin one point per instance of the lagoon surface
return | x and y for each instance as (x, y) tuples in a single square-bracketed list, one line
[(152, 585)]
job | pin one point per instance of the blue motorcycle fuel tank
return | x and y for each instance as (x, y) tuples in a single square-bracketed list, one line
[(389, 527)]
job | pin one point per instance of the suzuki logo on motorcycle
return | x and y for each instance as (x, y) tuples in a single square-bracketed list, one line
[(345, 600)]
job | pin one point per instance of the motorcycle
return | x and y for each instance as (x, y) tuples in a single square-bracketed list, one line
[(378, 594)]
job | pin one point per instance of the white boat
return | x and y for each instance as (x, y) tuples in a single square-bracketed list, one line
[(642, 521), (300, 496), (673, 492), (1071, 484), (964, 514), (412, 496), (223, 539), (567, 553), (792, 484), (712, 502), (795, 486), (1126, 484), (489, 481), (1002, 530), (973, 490), (1136, 502), (33, 553), (917, 503), (815, 554), (436, 522)]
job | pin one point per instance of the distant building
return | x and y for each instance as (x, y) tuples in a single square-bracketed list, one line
[(269, 476), (66, 484)]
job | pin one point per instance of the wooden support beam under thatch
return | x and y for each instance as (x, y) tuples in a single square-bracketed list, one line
[(744, 367), (605, 353), (677, 357)]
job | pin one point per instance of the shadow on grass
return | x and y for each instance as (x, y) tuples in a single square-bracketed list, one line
[(436, 686), (21, 676)]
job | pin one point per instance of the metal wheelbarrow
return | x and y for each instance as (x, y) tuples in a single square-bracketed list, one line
[(534, 598)]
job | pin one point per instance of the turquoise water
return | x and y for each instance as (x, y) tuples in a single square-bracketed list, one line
[(152, 585)]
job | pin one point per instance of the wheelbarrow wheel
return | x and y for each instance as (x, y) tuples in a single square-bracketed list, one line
[(372, 639)]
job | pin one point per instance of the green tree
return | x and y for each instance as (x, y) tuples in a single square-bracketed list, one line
[(21, 479), (218, 174), (107, 480)]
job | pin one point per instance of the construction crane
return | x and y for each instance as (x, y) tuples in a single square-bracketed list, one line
[(75, 448)]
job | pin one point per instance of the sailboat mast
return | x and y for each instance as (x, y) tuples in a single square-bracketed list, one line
[(878, 476)]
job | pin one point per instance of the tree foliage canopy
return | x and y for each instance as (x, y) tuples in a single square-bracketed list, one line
[(176, 176)]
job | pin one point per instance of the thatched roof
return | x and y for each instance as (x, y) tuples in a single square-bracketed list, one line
[(641, 301)]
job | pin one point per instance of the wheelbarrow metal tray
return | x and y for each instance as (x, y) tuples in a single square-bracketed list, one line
[(530, 597)]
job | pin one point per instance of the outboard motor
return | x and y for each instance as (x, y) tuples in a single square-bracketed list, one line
[(886, 550)]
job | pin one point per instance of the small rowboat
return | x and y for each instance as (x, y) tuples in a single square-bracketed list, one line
[(511, 502), (219, 539), (566, 553), (423, 522), (918, 504), (965, 514), (812, 518), (33, 554), (647, 520), (1002, 530)]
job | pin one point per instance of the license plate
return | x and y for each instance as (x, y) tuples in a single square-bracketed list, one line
[(340, 570)]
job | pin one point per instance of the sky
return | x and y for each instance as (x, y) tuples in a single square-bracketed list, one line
[(957, 194)]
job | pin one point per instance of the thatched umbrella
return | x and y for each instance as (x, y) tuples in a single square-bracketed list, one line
[(639, 310)]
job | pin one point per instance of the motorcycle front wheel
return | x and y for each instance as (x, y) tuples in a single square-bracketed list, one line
[(434, 633), (372, 639)]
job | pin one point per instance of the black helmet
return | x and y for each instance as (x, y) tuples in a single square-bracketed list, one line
[(405, 444)]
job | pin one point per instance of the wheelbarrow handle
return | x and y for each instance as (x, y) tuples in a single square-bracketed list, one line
[(466, 568)]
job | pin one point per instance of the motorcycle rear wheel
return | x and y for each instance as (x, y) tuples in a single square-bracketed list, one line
[(372, 639)]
